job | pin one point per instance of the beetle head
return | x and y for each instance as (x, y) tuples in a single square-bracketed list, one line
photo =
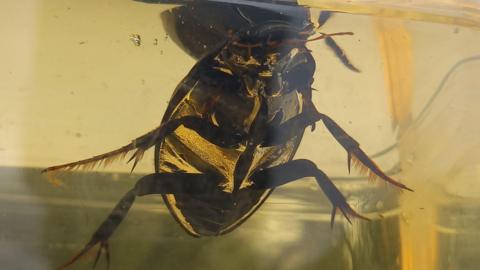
[(271, 58)]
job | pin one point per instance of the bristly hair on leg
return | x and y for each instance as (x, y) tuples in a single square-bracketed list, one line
[(363, 170), (356, 155), (139, 145), (89, 163), (367, 167)]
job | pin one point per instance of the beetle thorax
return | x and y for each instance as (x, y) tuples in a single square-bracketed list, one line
[(269, 71)]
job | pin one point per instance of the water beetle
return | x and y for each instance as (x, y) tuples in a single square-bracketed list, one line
[(234, 123)]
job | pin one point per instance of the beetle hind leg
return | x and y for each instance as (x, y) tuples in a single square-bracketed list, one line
[(103, 247), (157, 183), (138, 146), (281, 134), (356, 155), (106, 229), (298, 169)]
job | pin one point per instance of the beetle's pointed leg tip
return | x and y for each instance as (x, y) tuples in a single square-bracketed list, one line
[(97, 257), (405, 187), (332, 218), (349, 162)]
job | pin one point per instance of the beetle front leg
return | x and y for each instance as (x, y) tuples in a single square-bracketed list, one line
[(324, 17), (298, 169), (339, 53), (157, 183)]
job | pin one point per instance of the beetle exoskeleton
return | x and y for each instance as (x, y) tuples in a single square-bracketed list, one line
[(233, 125)]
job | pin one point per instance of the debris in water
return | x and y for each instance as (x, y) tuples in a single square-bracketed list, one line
[(136, 39)]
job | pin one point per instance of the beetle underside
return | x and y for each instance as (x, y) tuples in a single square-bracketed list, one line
[(230, 133)]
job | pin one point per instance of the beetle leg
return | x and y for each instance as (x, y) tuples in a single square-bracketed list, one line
[(105, 230), (340, 53), (205, 129), (298, 169), (280, 134), (284, 132), (356, 154), (157, 183), (322, 19)]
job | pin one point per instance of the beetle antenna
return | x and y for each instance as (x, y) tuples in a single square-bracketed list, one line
[(250, 22), (299, 41), (324, 35)]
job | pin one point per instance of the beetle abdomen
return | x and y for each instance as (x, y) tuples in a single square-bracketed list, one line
[(219, 210), (215, 213), (225, 91)]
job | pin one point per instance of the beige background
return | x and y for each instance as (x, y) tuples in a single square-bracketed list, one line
[(74, 85)]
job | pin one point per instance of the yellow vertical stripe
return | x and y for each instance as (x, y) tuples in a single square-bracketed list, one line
[(396, 53), (419, 239)]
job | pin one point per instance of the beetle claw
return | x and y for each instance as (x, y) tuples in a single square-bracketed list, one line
[(136, 157), (332, 219), (349, 161), (346, 216), (103, 233), (336, 198), (347, 212), (103, 247)]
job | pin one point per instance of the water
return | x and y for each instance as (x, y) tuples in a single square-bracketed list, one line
[(75, 84), (49, 224)]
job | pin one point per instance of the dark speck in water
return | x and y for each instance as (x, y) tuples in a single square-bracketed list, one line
[(136, 39)]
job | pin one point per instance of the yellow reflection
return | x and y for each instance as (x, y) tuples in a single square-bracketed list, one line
[(418, 235), (396, 52), (457, 12)]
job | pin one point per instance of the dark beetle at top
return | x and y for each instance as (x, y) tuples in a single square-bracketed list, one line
[(232, 127)]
